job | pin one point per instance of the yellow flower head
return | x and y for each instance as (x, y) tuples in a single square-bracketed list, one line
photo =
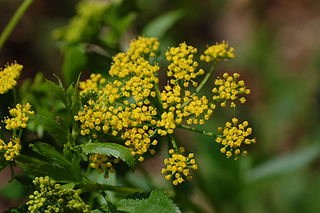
[(20, 117), (51, 197), (179, 167), (183, 67), (8, 77), (12, 149), (139, 141), (143, 47), (102, 162), (217, 52), (92, 84), (228, 88), (233, 136)]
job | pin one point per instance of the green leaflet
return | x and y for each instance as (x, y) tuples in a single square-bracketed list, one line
[(159, 26), (50, 125), (110, 149), (157, 202), (55, 164)]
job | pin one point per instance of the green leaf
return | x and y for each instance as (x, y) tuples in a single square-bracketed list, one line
[(159, 26), (37, 167), (18, 209), (157, 202), (50, 125), (50, 153), (3, 162), (110, 149), (57, 90), (285, 163), (75, 59), (73, 97)]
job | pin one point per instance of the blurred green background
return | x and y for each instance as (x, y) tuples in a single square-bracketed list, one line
[(278, 54)]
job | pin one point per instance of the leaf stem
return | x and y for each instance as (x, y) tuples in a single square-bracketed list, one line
[(173, 142), (14, 21), (206, 78), (189, 128), (96, 186)]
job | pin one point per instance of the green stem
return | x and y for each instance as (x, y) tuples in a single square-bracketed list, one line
[(14, 21), (96, 186), (159, 102), (197, 130), (206, 78), (12, 172), (173, 142)]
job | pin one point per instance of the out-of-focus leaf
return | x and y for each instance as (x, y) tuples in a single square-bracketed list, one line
[(50, 153), (13, 191), (285, 163), (157, 202), (75, 59), (54, 128), (110, 149), (3, 162), (159, 26)]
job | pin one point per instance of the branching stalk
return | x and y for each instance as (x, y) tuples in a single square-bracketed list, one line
[(210, 134), (14, 21)]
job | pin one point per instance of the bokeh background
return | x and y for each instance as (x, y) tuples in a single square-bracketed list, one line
[(277, 53)]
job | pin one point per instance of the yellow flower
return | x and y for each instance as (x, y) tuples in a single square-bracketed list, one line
[(228, 89), (20, 117), (51, 197), (139, 141), (92, 84), (183, 67), (179, 167), (8, 77), (12, 149), (102, 162), (217, 52), (233, 136)]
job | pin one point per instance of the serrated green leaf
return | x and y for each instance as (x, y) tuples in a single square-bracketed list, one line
[(50, 153), (157, 202), (159, 26), (51, 126), (110, 149), (37, 167), (73, 97), (57, 90)]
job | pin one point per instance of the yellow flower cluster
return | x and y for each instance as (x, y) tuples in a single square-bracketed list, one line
[(8, 77), (143, 47), (20, 117), (217, 52), (183, 67), (102, 162), (228, 89), (139, 141), (179, 166), (122, 107), (50, 197), (97, 117), (12, 149), (180, 106), (92, 84), (233, 136)]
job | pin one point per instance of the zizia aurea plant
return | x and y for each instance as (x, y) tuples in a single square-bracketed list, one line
[(117, 120)]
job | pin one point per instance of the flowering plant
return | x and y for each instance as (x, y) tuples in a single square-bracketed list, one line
[(115, 122)]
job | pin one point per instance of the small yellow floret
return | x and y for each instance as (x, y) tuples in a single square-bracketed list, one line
[(8, 77), (233, 136), (217, 52), (179, 167), (12, 148), (20, 117)]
